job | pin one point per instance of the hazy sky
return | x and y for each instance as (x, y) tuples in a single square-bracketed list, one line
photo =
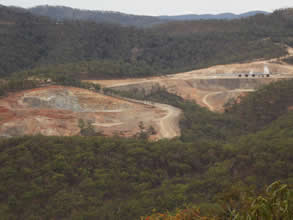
[(161, 7)]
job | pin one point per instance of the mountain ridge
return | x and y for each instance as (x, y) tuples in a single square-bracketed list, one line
[(61, 13), (225, 16)]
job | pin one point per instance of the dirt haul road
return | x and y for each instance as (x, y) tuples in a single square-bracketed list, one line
[(205, 100), (169, 124), (211, 106), (211, 87)]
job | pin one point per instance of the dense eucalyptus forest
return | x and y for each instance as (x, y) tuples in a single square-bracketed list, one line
[(90, 50), (215, 169)]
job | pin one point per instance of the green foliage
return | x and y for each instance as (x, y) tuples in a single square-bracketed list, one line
[(21, 82), (276, 203), (105, 50), (86, 128), (15, 84), (144, 133), (263, 106), (69, 80), (93, 69), (61, 13)]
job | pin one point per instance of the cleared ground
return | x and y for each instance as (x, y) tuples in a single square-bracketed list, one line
[(58, 111)]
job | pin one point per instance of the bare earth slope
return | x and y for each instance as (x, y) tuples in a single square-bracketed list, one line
[(58, 110)]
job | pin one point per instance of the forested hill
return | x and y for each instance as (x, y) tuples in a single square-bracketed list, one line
[(61, 13), (222, 16), (90, 50), (14, 15), (260, 23)]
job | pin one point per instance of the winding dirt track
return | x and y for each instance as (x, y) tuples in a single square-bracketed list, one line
[(205, 99), (207, 96), (169, 124)]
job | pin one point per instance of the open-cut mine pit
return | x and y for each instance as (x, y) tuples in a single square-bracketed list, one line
[(64, 111), (59, 111), (211, 87)]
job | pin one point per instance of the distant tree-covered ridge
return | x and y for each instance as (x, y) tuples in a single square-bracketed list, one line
[(61, 13), (29, 42)]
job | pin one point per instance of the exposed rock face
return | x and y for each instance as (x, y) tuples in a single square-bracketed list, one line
[(62, 100), (58, 110)]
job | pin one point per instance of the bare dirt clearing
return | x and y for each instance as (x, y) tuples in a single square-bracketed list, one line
[(58, 110)]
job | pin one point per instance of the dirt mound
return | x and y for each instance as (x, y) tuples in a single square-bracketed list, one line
[(59, 111)]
